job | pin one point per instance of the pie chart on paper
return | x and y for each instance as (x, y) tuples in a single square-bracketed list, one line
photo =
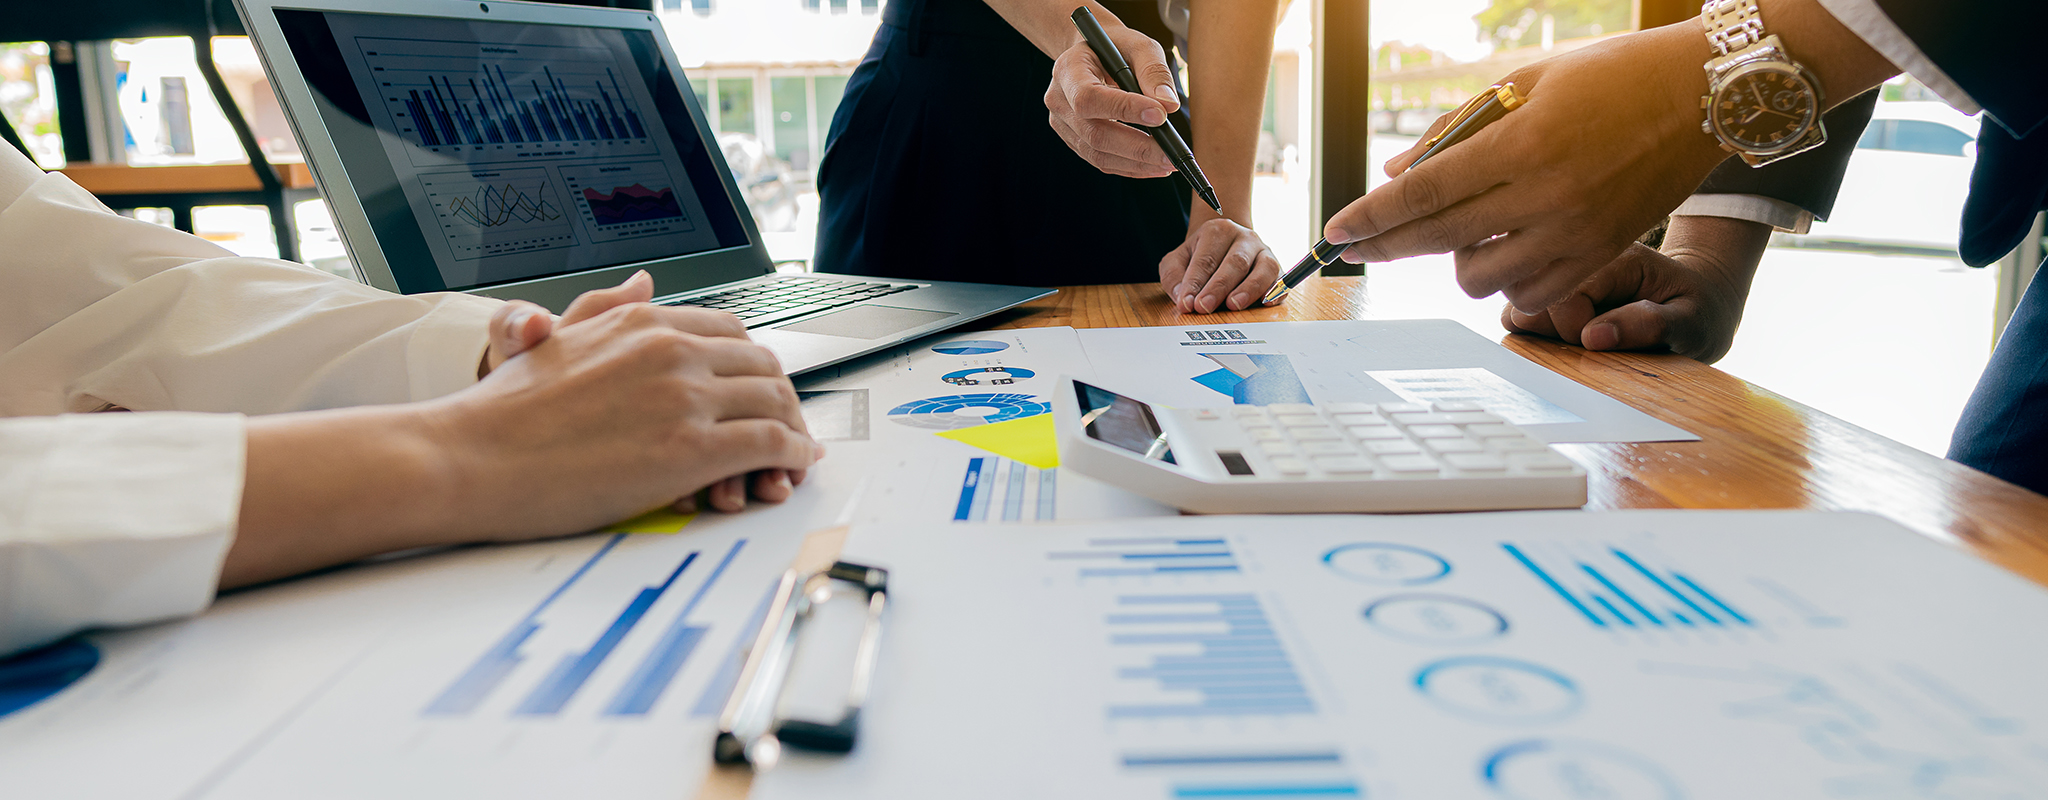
[(970, 347)]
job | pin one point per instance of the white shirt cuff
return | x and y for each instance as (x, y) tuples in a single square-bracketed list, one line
[(1869, 22), (1770, 211), (113, 519), (448, 346)]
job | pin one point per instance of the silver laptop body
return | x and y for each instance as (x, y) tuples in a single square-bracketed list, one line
[(532, 151)]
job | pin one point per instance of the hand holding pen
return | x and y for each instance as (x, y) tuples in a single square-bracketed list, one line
[(1482, 110), (1121, 132)]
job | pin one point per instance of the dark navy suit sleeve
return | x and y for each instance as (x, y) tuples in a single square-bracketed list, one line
[(1809, 180), (1990, 48)]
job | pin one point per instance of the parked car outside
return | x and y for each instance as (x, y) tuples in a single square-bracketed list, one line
[(1907, 180)]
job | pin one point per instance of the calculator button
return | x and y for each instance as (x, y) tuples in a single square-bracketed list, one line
[(1360, 419), (1409, 464), (1392, 446), (1402, 408), (1265, 434), (1298, 419), (1291, 408), (1469, 417), (1349, 408), (1453, 445), (1539, 461), (1344, 465), (1206, 414), (1489, 431), (1375, 432), (1518, 445), (1310, 434), (1477, 462), (1435, 432), (1288, 465), (1425, 418), (1276, 448), (1459, 405), (1327, 448), (1248, 411)]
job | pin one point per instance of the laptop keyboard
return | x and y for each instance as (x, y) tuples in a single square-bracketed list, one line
[(789, 297)]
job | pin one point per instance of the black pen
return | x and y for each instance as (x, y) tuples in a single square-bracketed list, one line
[(1164, 133), (1482, 110)]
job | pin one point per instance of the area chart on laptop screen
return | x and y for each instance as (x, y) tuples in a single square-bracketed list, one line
[(626, 200), (484, 102), (495, 212)]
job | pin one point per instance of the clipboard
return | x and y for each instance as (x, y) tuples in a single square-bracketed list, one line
[(752, 730)]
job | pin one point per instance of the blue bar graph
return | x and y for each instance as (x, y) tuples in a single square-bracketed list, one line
[(1614, 588), (494, 113), (1136, 760), (1151, 556), (712, 701), (1001, 487), (561, 685), (1241, 668), (660, 666), (1337, 789), (469, 690)]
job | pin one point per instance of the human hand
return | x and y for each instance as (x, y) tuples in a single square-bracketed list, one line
[(1089, 111), (520, 325), (612, 416), (1221, 265), (1608, 142), (1687, 299)]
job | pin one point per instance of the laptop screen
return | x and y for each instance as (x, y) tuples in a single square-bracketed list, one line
[(491, 152)]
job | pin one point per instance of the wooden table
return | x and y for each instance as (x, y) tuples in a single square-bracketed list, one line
[(1756, 449)]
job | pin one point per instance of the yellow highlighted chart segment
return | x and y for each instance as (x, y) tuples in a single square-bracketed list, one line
[(1030, 440), (660, 520)]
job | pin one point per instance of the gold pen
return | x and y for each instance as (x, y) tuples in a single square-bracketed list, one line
[(1482, 110)]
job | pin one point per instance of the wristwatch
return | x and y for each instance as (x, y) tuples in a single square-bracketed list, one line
[(1761, 104)]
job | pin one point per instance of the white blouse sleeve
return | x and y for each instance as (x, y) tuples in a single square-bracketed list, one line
[(117, 519), (112, 519), (97, 309)]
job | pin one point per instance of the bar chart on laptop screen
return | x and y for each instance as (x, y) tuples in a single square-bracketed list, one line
[(486, 102)]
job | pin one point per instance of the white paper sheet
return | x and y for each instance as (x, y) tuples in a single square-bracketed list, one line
[(1381, 361), (1616, 655), (588, 666), (917, 392)]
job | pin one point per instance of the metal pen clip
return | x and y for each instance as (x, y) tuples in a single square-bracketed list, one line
[(750, 731), (1503, 93)]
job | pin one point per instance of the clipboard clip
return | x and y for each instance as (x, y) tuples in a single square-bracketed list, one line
[(751, 730)]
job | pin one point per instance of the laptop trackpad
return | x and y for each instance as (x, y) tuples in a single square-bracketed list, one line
[(867, 322)]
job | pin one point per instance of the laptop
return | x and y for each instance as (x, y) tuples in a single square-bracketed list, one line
[(533, 151)]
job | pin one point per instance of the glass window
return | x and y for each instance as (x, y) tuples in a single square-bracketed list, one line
[(702, 89), (1916, 136), (829, 89), (789, 106), (1876, 136), (736, 105), (28, 101)]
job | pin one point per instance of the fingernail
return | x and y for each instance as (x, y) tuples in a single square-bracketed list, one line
[(517, 322), (1337, 235), (1152, 116), (637, 275), (1238, 302), (1601, 336), (1166, 93), (819, 449), (782, 480), (687, 505)]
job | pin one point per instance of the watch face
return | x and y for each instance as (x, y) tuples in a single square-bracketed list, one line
[(1765, 109)]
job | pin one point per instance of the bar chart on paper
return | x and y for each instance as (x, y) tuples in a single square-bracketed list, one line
[(546, 693), (1620, 588), (493, 101)]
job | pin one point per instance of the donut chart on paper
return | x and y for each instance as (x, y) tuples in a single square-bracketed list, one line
[(966, 410), (970, 347)]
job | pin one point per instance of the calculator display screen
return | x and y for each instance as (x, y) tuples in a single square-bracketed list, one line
[(1117, 420)]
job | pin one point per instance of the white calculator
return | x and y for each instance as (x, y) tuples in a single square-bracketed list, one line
[(1338, 457)]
